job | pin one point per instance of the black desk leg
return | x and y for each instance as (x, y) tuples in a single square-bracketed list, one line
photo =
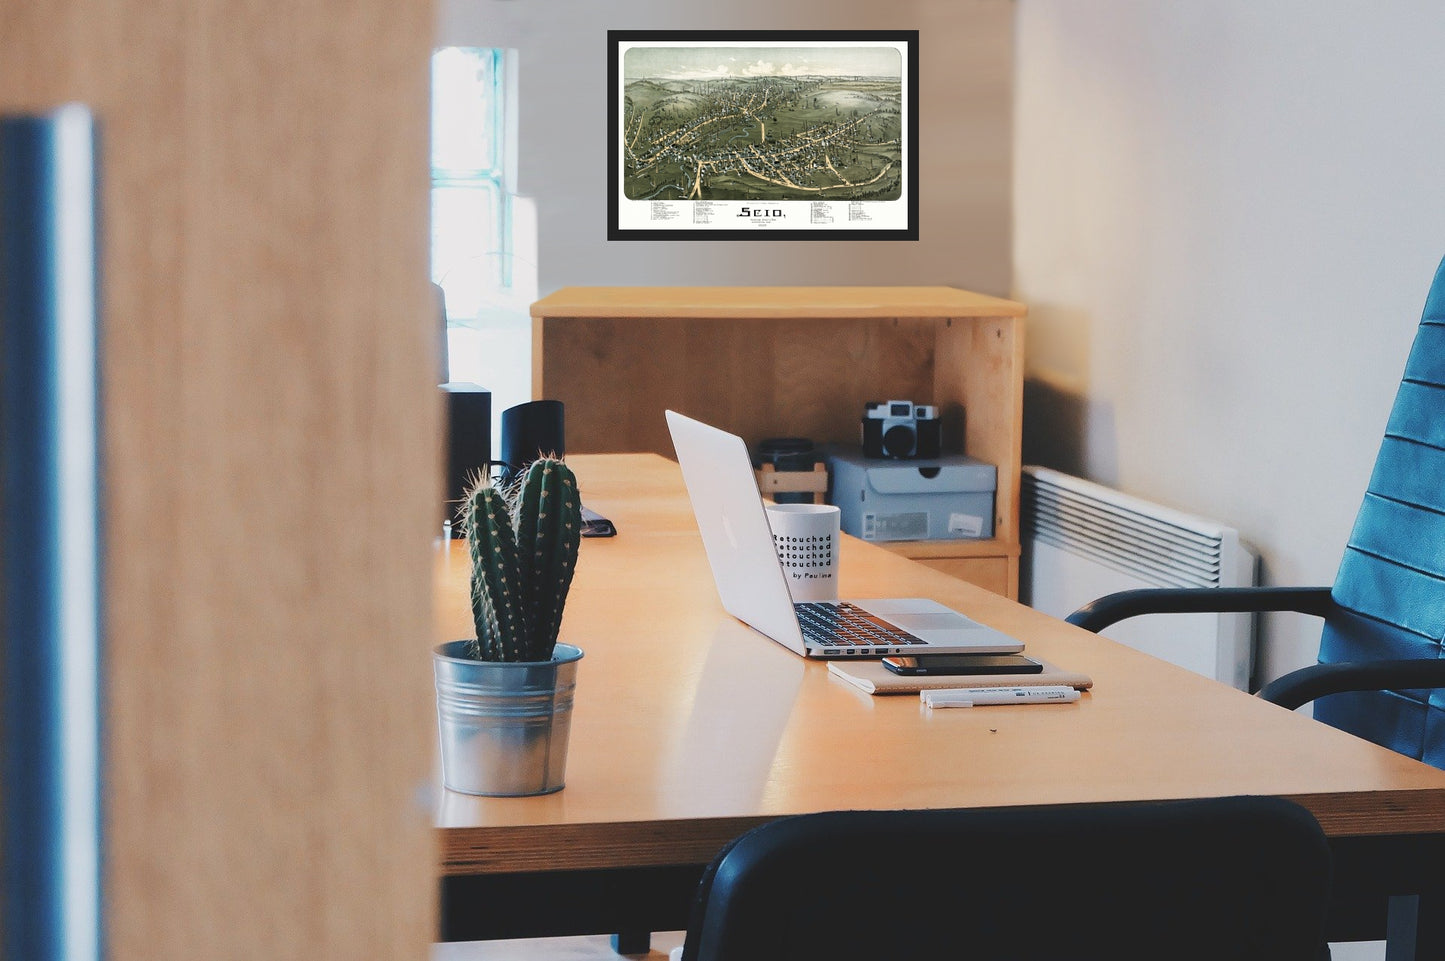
[(632, 942), (1416, 928)]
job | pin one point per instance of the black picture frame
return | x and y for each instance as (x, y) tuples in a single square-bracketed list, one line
[(699, 103)]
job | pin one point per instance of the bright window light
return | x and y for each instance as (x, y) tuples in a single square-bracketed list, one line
[(483, 250)]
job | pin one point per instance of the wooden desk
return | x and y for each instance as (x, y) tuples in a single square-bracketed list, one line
[(690, 728)]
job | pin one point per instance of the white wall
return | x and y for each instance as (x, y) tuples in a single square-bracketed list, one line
[(965, 66), (1227, 216)]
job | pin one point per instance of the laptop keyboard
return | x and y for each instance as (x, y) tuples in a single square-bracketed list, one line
[(845, 626)]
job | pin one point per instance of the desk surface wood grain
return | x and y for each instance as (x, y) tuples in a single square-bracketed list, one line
[(792, 302), (690, 727)]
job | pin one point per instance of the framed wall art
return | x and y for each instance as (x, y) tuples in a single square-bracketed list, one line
[(752, 135)]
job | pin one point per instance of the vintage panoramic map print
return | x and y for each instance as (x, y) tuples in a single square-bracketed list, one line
[(763, 138)]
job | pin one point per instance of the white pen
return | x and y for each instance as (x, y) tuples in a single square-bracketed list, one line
[(981, 696)]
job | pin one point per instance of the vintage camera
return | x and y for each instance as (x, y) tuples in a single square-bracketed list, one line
[(901, 429)]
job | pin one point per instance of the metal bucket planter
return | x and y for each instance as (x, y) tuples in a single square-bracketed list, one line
[(504, 726)]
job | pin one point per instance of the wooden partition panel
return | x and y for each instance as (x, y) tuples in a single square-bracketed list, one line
[(271, 477)]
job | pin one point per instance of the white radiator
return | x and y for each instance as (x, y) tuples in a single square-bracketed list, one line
[(1082, 540)]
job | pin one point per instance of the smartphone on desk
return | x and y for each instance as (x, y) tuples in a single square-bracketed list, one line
[(595, 525), (936, 664)]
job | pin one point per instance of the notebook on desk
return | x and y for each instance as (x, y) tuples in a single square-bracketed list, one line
[(753, 587), (873, 677)]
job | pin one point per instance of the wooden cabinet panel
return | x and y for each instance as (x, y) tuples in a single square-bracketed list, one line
[(991, 564), (990, 573), (792, 361)]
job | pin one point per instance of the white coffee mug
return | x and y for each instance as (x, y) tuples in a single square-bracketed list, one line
[(806, 537)]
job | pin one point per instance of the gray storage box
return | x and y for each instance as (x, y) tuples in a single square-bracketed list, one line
[(947, 498)]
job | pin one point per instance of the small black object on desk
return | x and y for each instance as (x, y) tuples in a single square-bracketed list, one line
[(788, 454)]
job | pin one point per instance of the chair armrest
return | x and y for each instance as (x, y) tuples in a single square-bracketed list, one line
[(1099, 614), (1304, 685)]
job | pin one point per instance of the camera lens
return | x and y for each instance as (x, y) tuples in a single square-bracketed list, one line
[(899, 440)]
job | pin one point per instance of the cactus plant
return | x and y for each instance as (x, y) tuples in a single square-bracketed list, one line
[(523, 544)]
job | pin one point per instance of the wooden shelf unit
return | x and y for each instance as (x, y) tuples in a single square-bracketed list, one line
[(795, 361)]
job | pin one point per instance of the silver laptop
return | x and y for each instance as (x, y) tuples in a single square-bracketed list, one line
[(754, 588)]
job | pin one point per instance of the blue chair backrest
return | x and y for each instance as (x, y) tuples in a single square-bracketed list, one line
[(1391, 584)]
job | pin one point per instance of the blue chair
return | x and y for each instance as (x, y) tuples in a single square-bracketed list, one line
[(1241, 878), (1381, 664)]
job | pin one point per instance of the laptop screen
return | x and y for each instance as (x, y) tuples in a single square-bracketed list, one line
[(734, 527)]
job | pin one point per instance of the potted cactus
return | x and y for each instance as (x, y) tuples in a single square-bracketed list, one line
[(504, 696)]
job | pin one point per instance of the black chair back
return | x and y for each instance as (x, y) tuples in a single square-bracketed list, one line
[(1237, 878)]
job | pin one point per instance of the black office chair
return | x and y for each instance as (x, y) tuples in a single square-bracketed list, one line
[(1384, 620), (1238, 878)]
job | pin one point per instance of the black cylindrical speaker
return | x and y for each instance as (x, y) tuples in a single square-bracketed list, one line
[(469, 442), (530, 431)]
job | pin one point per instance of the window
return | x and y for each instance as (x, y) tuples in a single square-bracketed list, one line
[(483, 235)]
